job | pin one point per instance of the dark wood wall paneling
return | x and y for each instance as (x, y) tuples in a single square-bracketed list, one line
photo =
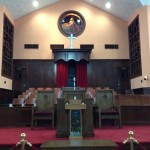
[(33, 73), (68, 54), (6, 96), (41, 73), (109, 73)]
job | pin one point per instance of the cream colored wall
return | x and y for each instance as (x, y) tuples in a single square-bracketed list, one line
[(144, 19), (41, 28), (5, 83), (148, 18)]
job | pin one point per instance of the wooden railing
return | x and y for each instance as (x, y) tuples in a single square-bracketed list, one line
[(132, 99)]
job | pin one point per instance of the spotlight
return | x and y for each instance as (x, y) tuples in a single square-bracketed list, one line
[(146, 77), (108, 5), (35, 3)]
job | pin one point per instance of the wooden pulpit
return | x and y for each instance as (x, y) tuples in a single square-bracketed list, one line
[(75, 118), (63, 112)]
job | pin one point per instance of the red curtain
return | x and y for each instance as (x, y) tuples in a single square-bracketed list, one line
[(62, 74), (81, 74)]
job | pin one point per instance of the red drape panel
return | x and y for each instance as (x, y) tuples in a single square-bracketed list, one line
[(62, 74), (81, 74)]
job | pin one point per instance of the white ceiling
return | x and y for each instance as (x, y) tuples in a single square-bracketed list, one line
[(121, 8)]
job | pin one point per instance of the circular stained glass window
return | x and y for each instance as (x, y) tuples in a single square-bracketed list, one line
[(71, 22)]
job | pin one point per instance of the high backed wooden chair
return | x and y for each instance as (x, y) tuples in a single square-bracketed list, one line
[(33, 95), (48, 89), (18, 102), (44, 109), (30, 101), (106, 107), (40, 88), (98, 88), (90, 93), (32, 89), (23, 96), (57, 94)]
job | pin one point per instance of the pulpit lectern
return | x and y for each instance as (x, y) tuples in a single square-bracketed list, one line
[(75, 116), (63, 114)]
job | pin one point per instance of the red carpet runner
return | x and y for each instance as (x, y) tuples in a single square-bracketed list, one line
[(10, 136)]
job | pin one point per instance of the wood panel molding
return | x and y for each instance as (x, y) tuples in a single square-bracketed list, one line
[(83, 53)]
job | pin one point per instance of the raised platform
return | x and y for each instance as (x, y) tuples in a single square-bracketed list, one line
[(79, 144)]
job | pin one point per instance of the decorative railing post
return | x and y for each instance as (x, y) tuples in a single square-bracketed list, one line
[(22, 143)]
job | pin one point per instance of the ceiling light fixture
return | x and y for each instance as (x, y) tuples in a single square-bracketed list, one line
[(108, 5), (35, 3)]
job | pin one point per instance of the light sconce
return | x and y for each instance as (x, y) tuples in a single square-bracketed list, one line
[(146, 77)]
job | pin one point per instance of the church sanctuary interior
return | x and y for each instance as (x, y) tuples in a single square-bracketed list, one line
[(74, 74)]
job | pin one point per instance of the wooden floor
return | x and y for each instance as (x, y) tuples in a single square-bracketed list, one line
[(79, 145)]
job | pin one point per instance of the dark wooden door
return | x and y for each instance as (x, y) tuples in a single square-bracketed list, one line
[(123, 79)]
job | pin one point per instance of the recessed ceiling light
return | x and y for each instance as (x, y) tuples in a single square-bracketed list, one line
[(35, 3), (108, 5)]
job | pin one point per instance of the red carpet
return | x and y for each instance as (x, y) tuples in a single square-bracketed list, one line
[(10, 136)]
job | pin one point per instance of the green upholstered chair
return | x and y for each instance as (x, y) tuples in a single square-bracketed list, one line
[(44, 109), (106, 107)]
